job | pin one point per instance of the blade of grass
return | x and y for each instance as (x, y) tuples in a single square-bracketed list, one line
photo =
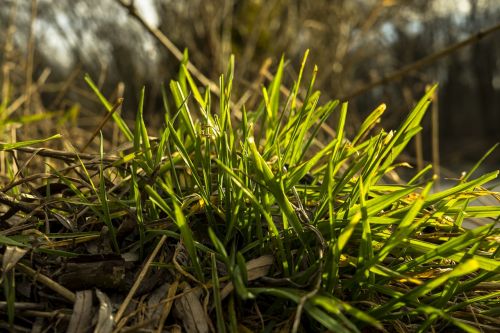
[(103, 199), (141, 138), (462, 269), (295, 295), (276, 188), (16, 145), (180, 220), (450, 249), (272, 226), (478, 164), (369, 123), (116, 117), (221, 326)]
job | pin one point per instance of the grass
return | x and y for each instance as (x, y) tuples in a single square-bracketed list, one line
[(253, 224)]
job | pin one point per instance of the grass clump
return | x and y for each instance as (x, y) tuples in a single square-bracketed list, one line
[(243, 221)]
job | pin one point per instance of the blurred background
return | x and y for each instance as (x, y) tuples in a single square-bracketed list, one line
[(47, 46)]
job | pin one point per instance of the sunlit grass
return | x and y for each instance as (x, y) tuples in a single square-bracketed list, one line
[(349, 248)]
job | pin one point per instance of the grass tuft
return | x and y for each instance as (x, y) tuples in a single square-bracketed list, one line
[(262, 226)]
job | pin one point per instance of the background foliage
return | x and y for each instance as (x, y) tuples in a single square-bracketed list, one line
[(352, 42)]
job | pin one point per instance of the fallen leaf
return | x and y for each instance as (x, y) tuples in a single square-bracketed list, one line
[(190, 310), (256, 268), (65, 222), (11, 256), (155, 305), (105, 320), (81, 319)]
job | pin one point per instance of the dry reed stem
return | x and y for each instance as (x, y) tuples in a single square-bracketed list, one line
[(103, 122), (425, 61), (170, 46), (139, 279)]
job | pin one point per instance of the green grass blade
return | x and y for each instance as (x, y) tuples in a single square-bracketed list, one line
[(180, 102), (194, 89), (406, 226), (179, 219), (16, 145), (187, 159), (462, 269), (109, 106), (369, 123), (450, 249), (457, 190), (141, 138), (276, 188), (5, 240), (478, 164), (295, 295), (401, 137), (103, 200), (221, 325)]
